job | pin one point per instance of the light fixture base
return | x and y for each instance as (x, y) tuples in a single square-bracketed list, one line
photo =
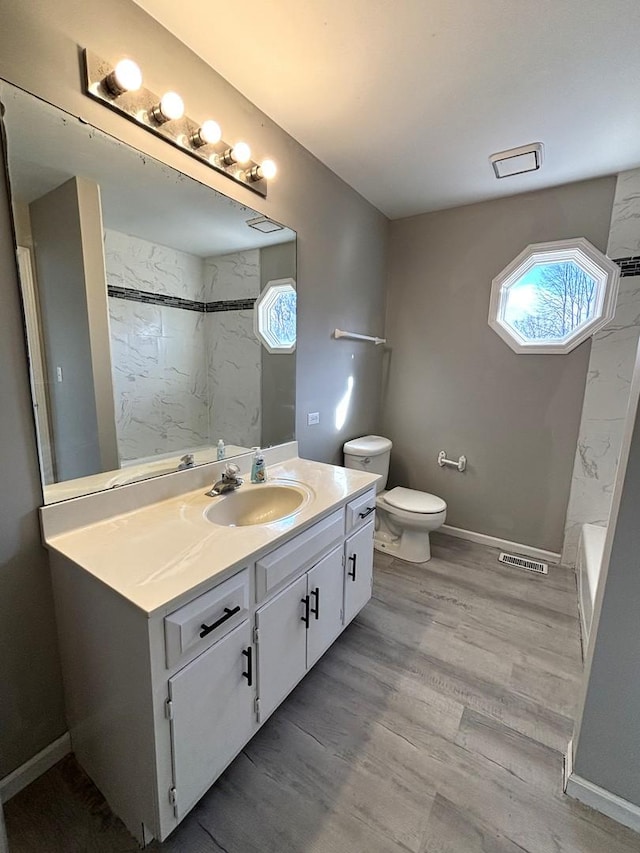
[(138, 106)]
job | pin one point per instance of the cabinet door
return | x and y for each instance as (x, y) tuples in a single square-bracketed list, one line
[(325, 588), (213, 714), (358, 573), (281, 645)]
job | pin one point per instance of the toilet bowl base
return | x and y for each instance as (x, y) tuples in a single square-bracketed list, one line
[(412, 545)]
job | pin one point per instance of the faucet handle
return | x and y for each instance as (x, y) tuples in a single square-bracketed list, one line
[(186, 461), (231, 471)]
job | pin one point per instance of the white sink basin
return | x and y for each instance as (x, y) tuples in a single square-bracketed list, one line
[(259, 504)]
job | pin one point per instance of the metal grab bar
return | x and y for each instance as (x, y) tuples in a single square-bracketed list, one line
[(460, 463)]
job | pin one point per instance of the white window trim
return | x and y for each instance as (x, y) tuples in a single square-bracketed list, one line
[(264, 296), (588, 258)]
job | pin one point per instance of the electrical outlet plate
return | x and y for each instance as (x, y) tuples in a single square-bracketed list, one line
[(313, 418)]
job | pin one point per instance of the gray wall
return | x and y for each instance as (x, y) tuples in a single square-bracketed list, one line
[(452, 384), (57, 230), (607, 738), (31, 710), (340, 273), (278, 391)]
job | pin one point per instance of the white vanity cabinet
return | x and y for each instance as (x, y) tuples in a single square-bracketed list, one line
[(325, 588), (160, 703), (358, 571), (282, 654), (295, 627), (211, 708)]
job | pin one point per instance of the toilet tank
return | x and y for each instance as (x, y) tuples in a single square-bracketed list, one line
[(371, 453)]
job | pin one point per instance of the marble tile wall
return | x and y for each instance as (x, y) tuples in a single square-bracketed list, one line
[(234, 366), (182, 379), (233, 276), (234, 362), (141, 265), (159, 377), (613, 353)]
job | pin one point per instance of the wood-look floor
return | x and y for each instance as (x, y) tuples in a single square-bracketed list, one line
[(435, 724)]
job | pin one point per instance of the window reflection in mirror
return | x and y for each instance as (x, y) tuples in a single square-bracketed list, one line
[(139, 286)]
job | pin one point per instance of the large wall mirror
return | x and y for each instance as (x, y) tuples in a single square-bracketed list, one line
[(139, 286)]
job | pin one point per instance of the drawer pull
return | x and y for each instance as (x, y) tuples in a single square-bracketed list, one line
[(305, 617), (352, 572), (316, 610), (207, 629), (367, 511), (248, 653)]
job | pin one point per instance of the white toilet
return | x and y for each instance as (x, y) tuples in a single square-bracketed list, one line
[(404, 517)]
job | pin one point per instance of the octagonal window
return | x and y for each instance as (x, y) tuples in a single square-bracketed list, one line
[(275, 315), (553, 296)]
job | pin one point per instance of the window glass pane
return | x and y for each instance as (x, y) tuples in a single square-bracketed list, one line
[(282, 319), (276, 316), (550, 301)]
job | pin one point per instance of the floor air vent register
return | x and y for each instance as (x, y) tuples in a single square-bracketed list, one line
[(524, 563)]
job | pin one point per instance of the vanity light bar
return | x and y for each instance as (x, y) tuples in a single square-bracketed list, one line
[(120, 88)]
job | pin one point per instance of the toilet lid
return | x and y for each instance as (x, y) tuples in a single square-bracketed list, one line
[(411, 500)]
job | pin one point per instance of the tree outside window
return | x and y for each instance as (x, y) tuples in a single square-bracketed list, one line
[(553, 296)]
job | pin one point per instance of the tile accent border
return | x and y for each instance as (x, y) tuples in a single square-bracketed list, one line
[(151, 298), (229, 305), (628, 266)]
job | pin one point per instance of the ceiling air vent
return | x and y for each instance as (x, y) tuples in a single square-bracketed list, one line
[(517, 161), (524, 563), (264, 224)]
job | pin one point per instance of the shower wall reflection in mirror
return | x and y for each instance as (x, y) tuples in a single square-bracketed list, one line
[(138, 287)]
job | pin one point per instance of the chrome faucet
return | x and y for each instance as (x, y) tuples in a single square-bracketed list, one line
[(229, 482), (186, 461)]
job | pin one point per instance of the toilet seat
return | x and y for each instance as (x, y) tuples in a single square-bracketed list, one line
[(411, 500)]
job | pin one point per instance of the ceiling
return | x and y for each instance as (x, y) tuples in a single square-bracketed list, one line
[(406, 99), (139, 195)]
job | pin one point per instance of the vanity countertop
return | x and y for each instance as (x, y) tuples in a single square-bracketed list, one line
[(156, 555), (131, 473)]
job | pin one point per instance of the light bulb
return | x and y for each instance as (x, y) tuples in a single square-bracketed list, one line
[(268, 169), (241, 152), (125, 77), (207, 134), (170, 108)]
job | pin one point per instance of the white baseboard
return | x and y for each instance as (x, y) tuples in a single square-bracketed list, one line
[(34, 767), (567, 766), (503, 544), (603, 801)]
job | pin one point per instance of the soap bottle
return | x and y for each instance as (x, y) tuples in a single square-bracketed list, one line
[(258, 467), (220, 450)]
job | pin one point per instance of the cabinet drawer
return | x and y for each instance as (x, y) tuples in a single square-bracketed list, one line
[(213, 614), (360, 509), (299, 554)]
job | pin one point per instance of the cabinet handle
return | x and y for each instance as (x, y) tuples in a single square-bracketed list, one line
[(248, 653), (352, 573), (316, 610), (207, 629), (305, 618), (367, 512)]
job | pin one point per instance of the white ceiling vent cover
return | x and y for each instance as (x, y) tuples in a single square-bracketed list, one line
[(524, 563), (264, 224), (517, 161)]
